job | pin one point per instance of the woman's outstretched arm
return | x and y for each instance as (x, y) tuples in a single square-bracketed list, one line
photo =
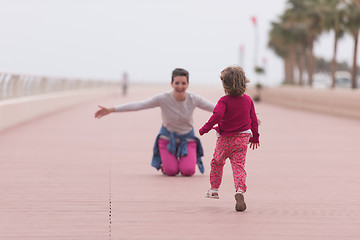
[(132, 106), (103, 111)]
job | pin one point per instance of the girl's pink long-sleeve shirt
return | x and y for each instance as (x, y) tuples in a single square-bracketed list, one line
[(233, 114)]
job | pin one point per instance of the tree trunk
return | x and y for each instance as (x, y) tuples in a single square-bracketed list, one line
[(286, 69), (354, 68), (292, 60), (333, 63), (301, 66), (311, 62)]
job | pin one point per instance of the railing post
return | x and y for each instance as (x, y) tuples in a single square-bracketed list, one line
[(2, 83), (14, 89)]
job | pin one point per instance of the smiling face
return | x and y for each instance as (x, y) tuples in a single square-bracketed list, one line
[(180, 84)]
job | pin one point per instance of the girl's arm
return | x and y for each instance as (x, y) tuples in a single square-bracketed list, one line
[(218, 113), (254, 125)]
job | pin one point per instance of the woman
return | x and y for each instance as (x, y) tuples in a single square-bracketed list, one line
[(176, 148)]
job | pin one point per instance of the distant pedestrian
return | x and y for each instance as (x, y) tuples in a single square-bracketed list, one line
[(237, 126), (176, 149), (125, 83)]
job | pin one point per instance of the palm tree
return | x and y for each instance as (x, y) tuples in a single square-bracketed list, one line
[(282, 41), (290, 34), (352, 25), (294, 17), (300, 25), (301, 50), (314, 29), (278, 43), (307, 13), (334, 19)]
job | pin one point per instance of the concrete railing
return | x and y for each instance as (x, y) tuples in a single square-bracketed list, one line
[(16, 85), (24, 98), (338, 102)]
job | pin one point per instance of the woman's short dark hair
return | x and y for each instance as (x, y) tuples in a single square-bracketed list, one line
[(179, 72)]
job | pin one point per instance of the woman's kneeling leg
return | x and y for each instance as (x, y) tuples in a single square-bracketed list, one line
[(170, 164), (187, 163)]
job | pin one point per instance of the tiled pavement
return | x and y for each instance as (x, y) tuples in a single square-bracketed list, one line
[(70, 176)]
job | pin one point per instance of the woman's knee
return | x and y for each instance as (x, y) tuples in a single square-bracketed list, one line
[(170, 171), (187, 172), (169, 167)]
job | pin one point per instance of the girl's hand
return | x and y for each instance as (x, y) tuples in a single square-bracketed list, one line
[(254, 145), (103, 111)]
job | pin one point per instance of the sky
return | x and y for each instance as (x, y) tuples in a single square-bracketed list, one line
[(102, 39)]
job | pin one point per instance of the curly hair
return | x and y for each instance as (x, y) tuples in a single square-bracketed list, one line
[(234, 80)]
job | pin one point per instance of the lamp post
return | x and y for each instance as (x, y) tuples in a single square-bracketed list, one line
[(256, 41), (241, 55)]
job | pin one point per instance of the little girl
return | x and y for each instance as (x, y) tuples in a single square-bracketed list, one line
[(237, 126)]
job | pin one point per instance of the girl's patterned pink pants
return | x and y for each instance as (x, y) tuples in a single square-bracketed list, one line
[(234, 148)]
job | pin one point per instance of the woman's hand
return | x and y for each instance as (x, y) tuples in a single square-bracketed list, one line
[(254, 145), (103, 111)]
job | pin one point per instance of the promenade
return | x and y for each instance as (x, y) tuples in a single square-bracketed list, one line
[(68, 175)]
